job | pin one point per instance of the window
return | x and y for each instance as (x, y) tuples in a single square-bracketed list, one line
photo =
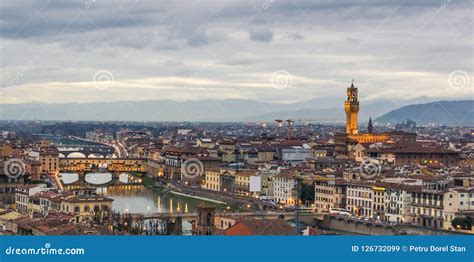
[(208, 219)]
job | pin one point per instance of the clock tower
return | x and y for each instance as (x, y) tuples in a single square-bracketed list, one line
[(351, 107)]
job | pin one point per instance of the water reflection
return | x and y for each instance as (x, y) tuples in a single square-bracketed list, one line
[(98, 178), (69, 178), (139, 199)]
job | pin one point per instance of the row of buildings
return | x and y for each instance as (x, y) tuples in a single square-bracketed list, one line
[(417, 175), (423, 200), (39, 210)]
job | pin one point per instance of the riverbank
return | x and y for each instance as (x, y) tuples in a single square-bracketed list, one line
[(192, 198), (231, 202), (197, 197)]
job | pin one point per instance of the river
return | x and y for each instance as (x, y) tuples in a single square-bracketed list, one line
[(140, 199)]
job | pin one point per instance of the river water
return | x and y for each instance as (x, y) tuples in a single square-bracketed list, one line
[(130, 198), (140, 199)]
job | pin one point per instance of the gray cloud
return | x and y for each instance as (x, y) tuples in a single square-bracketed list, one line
[(295, 36), (261, 35), (394, 49)]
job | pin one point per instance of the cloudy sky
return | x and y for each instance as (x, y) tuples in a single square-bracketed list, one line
[(268, 50)]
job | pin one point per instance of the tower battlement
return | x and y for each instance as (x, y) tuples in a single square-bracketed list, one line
[(351, 106)]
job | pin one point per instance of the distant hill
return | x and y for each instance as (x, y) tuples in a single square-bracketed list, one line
[(451, 113), (330, 115), (328, 109), (165, 110), (150, 110)]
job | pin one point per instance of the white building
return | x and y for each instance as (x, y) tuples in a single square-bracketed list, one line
[(329, 192), (205, 143), (284, 188), (397, 204), (23, 194), (457, 201), (360, 199)]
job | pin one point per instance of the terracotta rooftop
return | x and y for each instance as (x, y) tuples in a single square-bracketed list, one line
[(411, 148), (261, 227), (203, 158)]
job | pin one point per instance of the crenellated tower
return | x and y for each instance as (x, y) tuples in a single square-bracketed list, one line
[(352, 109)]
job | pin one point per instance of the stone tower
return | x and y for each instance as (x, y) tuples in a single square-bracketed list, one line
[(205, 220), (351, 107)]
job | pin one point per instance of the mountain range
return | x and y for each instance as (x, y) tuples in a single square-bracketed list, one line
[(329, 109), (451, 113)]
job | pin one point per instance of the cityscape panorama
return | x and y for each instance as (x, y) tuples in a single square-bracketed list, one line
[(241, 118)]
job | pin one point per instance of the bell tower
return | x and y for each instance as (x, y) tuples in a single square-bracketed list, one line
[(351, 107)]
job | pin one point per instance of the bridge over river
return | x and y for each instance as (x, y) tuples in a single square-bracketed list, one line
[(256, 214)]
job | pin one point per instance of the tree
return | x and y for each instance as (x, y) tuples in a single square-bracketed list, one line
[(462, 222)]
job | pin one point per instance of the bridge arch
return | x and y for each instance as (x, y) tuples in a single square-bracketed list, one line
[(95, 155), (76, 155)]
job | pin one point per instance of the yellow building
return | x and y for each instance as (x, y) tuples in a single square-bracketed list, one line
[(7, 215), (84, 208), (229, 181), (49, 159), (44, 144), (242, 182), (212, 180)]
